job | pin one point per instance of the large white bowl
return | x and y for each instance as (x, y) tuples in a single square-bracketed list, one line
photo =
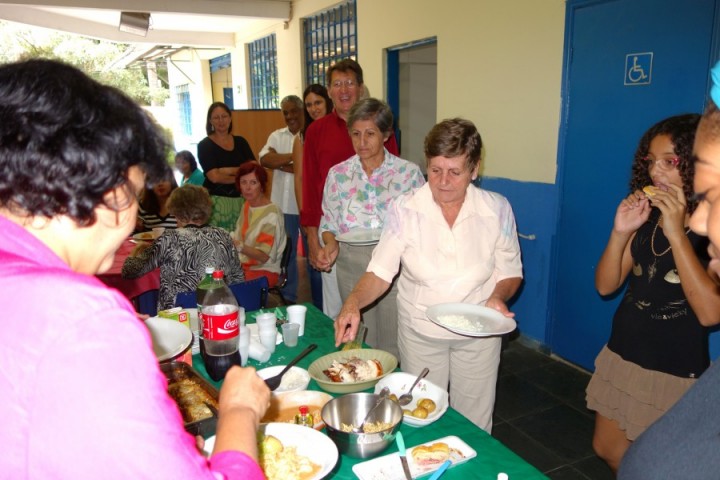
[(400, 382), (294, 380), (169, 337), (308, 442), (386, 359), (284, 406)]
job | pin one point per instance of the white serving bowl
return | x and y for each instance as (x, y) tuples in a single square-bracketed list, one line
[(294, 380), (400, 382)]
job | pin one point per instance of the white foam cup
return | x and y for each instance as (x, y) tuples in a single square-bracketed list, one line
[(296, 314), (257, 352), (244, 344), (268, 338), (265, 321)]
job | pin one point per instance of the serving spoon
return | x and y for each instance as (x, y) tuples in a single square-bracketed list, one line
[(406, 398), (384, 394), (274, 382)]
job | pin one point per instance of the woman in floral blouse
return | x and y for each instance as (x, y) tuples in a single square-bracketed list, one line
[(356, 197)]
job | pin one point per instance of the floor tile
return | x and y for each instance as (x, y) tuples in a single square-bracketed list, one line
[(517, 358), (528, 449), (517, 397), (594, 468), (566, 473), (563, 381), (561, 429)]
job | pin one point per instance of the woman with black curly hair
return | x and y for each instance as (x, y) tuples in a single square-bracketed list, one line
[(82, 393), (659, 341)]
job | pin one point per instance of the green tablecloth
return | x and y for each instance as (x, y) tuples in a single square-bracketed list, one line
[(492, 456)]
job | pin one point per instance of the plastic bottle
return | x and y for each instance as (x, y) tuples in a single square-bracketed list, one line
[(207, 283), (303, 417), (220, 328)]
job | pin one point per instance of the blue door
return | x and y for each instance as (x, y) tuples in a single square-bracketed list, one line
[(628, 64)]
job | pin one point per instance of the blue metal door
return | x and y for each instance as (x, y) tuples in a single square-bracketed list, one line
[(628, 64)]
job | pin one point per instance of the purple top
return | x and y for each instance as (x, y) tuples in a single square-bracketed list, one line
[(81, 392)]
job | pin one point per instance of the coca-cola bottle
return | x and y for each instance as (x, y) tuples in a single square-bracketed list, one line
[(206, 284), (220, 328)]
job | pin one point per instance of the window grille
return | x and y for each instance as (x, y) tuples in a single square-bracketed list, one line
[(182, 96), (262, 55), (329, 36)]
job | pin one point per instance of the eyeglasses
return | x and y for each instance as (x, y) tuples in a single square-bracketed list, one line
[(663, 163), (344, 83)]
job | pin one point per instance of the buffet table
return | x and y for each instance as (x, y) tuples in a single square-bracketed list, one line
[(492, 456)]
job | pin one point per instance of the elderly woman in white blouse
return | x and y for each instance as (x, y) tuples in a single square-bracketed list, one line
[(456, 243), (357, 195)]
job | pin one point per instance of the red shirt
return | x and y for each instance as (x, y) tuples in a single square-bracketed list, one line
[(327, 143)]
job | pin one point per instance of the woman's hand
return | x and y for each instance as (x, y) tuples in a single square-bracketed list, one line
[(632, 212), (346, 323), (497, 303), (673, 206), (328, 254), (243, 388)]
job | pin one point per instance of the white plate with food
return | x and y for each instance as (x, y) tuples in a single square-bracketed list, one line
[(470, 320), (422, 460), (360, 236), (429, 401), (144, 237), (169, 337), (294, 450)]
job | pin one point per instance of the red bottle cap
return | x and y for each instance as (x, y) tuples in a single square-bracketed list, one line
[(304, 409), (218, 274)]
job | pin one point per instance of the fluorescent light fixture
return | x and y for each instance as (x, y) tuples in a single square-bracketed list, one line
[(136, 23)]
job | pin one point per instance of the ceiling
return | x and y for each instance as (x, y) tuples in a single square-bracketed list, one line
[(174, 24)]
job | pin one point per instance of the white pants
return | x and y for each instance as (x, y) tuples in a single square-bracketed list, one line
[(331, 294), (469, 365)]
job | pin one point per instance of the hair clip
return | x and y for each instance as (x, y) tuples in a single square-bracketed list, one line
[(715, 89)]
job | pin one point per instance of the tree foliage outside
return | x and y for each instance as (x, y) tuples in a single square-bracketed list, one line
[(92, 56)]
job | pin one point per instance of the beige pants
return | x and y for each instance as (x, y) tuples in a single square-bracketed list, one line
[(380, 317), (469, 365)]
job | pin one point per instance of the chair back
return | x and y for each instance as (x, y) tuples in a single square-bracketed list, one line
[(284, 262), (251, 295)]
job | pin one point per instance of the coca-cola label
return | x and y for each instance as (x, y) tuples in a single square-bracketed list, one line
[(220, 327)]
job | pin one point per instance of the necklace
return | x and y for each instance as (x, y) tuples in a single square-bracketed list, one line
[(652, 239)]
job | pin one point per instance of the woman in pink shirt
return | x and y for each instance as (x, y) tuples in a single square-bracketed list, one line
[(82, 394)]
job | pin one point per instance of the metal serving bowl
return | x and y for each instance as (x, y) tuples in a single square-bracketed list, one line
[(351, 409)]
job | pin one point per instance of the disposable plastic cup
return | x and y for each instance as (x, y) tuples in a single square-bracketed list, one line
[(257, 352), (296, 314), (244, 345), (290, 332), (241, 315), (268, 339), (266, 320)]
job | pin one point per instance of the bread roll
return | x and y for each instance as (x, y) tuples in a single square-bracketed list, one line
[(433, 454), (649, 190)]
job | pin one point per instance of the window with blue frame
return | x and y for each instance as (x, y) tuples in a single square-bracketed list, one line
[(182, 97), (262, 56), (328, 37)]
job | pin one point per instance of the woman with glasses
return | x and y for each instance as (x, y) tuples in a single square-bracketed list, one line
[(659, 341), (220, 154)]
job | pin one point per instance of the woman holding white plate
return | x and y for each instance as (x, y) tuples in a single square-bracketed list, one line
[(456, 243), (356, 198)]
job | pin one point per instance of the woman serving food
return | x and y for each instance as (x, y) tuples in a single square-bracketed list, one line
[(456, 243), (357, 194)]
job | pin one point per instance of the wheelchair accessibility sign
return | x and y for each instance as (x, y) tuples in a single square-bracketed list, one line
[(638, 68)]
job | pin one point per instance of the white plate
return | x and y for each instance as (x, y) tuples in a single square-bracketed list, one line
[(309, 443), (400, 382), (169, 337), (254, 335), (360, 236), (390, 468), (486, 321)]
